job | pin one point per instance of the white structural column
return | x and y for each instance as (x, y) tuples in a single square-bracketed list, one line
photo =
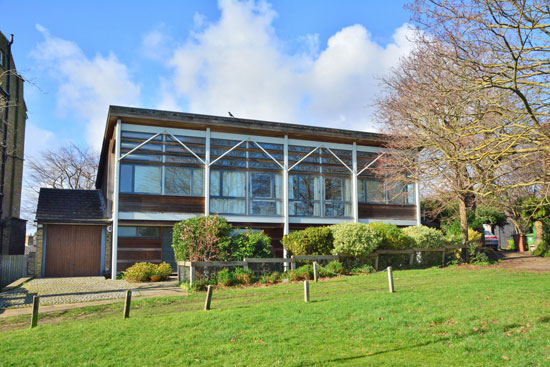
[(116, 187), (354, 198), (417, 200), (207, 174), (285, 195)]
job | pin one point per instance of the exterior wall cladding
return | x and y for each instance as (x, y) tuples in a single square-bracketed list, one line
[(13, 116), (160, 167)]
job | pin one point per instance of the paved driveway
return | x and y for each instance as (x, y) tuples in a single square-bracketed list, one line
[(64, 290)]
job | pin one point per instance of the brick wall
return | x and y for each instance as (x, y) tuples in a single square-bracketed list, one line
[(108, 247), (39, 252)]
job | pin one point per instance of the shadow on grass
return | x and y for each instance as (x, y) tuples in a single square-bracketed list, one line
[(391, 350)]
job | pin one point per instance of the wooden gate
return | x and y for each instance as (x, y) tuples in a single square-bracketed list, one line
[(73, 250)]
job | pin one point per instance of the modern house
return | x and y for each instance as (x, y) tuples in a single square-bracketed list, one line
[(160, 167), (13, 117)]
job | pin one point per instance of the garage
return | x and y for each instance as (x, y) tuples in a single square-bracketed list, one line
[(71, 233), (73, 250)]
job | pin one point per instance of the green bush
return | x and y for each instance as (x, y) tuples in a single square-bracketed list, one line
[(393, 237), (355, 239), (163, 269), (302, 273), (201, 239), (310, 241), (140, 272), (361, 270), (199, 285), (245, 277), (225, 278), (425, 237), (332, 269), (250, 244)]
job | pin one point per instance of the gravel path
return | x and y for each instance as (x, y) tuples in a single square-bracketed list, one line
[(524, 261), (64, 290)]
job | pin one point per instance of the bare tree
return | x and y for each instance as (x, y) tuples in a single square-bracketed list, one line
[(501, 46), (69, 167), (436, 125)]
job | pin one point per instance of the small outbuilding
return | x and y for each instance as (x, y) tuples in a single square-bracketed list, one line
[(71, 234)]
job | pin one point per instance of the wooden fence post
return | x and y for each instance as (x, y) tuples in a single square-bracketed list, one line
[(443, 257), (191, 275), (411, 258), (208, 297), (127, 304), (245, 266), (34, 317), (306, 291), (315, 273), (390, 279), (292, 263), (376, 262)]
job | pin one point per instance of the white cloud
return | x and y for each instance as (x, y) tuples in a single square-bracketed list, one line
[(87, 85), (37, 139), (237, 63)]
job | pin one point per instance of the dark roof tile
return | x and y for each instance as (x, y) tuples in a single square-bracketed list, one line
[(65, 205)]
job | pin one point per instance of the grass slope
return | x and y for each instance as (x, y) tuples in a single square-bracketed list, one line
[(437, 317)]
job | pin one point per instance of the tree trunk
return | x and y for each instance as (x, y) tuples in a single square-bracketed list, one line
[(463, 226), (538, 233), (519, 230)]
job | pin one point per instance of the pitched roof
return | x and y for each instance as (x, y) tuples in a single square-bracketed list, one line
[(70, 206)]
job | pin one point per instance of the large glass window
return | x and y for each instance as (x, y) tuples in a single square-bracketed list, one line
[(372, 190), (228, 192), (265, 193), (304, 194), (140, 179), (171, 169), (183, 181), (337, 197)]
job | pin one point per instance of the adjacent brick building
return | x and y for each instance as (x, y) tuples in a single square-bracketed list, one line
[(13, 116)]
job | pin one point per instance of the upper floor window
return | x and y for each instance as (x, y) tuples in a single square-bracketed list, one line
[(228, 192), (376, 191), (162, 165)]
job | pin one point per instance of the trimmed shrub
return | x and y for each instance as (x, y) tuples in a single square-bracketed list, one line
[(201, 239), (393, 237), (164, 270), (140, 272), (425, 237), (310, 241), (355, 239), (250, 244)]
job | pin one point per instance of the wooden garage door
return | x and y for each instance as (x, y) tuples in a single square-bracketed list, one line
[(72, 250)]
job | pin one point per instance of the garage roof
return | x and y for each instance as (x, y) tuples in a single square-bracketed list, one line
[(70, 206)]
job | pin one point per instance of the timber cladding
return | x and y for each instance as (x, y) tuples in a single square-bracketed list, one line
[(134, 249), (383, 211), (73, 250), (160, 203)]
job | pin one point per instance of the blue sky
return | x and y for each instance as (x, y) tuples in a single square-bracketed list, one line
[(311, 62)]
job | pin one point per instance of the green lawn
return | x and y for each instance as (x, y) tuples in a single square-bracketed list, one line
[(437, 317)]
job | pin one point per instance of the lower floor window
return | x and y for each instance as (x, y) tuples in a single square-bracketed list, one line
[(143, 232)]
